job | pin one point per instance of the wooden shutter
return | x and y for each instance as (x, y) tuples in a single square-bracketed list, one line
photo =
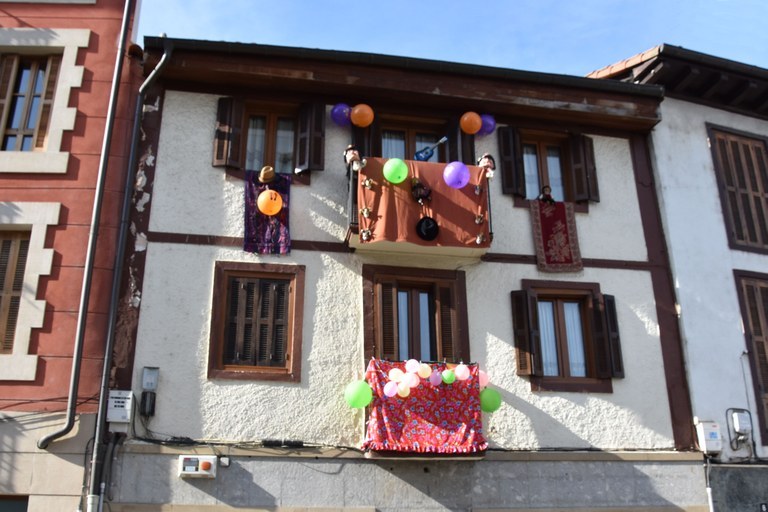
[(51, 72), (614, 340), (13, 258), (228, 135), (257, 322), (310, 144), (525, 332), (8, 67), (601, 341), (510, 162), (447, 324), (461, 146), (388, 326), (368, 140), (754, 294), (582, 168)]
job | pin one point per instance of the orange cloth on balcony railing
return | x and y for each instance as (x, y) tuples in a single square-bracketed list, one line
[(433, 419), (394, 213)]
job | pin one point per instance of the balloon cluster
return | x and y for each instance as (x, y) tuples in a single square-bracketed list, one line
[(472, 123), (361, 115), (359, 394)]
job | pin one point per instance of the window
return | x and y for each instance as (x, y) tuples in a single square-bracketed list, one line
[(403, 142), (742, 176), (287, 137), (392, 135), (530, 160), (27, 85), (270, 140), (415, 313), (566, 336), (14, 248), (753, 296), (23, 260), (38, 71), (256, 325)]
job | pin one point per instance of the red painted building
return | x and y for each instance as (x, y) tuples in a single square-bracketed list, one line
[(66, 111)]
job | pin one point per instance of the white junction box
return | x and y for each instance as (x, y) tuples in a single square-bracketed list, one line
[(197, 466), (119, 410), (710, 440)]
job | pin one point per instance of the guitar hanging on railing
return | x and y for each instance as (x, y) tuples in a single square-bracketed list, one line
[(425, 154)]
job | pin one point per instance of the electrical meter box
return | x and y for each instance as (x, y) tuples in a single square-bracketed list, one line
[(710, 440), (197, 466), (119, 410), (742, 423)]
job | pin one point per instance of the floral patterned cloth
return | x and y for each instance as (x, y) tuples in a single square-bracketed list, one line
[(555, 238), (266, 234), (439, 419)]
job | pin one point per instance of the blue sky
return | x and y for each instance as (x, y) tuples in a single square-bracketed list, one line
[(570, 37)]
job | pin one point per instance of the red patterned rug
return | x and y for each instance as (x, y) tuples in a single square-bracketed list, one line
[(555, 237), (442, 419)]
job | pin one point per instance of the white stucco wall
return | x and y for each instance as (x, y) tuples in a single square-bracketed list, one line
[(703, 264), (192, 197)]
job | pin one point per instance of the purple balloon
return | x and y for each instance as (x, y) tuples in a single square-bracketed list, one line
[(340, 114), (489, 124), (456, 175)]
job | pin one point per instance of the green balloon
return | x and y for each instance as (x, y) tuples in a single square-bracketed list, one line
[(395, 170), (490, 400), (358, 394), (449, 376)]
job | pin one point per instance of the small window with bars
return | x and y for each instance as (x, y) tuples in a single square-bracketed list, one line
[(14, 248), (256, 332)]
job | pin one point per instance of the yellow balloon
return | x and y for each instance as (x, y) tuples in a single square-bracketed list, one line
[(424, 371), (403, 389)]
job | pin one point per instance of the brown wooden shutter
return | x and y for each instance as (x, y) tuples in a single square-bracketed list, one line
[(612, 321), (525, 332), (13, 258), (8, 67), (228, 135), (510, 162), (368, 140), (447, 328), (754, 294), (388, 335), (461, 146), (310, 144), (600, 338), (582, 168), (51, 73)]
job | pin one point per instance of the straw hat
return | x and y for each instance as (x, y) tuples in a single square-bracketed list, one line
[(267, 174)]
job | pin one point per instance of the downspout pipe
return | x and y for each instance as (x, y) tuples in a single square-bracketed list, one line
[(85, 293), (97, 485)]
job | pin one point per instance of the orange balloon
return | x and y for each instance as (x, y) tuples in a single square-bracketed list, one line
[(269, 202), (361, 115), (471, 123)]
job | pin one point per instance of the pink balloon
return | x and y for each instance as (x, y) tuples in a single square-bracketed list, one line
[(436, 378), (483, 377), (461, 371), (412, 366), (412, 380), (390, 389)]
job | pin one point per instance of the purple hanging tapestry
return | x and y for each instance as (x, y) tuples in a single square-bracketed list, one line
[(265, 234)]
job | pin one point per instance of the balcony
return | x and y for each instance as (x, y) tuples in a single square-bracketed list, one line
[(389, 217)]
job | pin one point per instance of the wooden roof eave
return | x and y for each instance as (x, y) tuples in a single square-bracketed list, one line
[(513, 95)]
